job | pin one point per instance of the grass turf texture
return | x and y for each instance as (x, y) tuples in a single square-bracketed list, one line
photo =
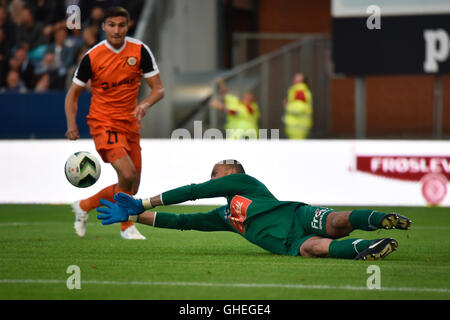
[(38, 243)]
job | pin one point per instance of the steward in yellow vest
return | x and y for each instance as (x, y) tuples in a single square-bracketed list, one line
[(242, 114), (298, 118)]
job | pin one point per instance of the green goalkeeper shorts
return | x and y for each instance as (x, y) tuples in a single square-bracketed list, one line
[(309, 221)]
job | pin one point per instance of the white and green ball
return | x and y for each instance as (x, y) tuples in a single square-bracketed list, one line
[(82, 169)]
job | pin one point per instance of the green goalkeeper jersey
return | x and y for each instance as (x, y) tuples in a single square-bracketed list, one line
[(251, 211)]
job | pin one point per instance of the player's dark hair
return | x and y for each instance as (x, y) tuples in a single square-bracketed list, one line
[(116, 11), (236, 165)]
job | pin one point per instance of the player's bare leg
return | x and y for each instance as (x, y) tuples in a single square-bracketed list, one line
[(129, 180), (126, 172), (316, 247), (136, 183), (341, 223), (338, 224)]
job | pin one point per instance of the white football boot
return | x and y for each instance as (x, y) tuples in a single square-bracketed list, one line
[(132, 233), (80, 219)]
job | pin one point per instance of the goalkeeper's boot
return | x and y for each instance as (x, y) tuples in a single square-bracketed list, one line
[(395, 221), (378, 249), (81, 217), (132, 233)]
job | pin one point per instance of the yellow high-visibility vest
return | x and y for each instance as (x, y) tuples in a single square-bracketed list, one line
[(240, 119), (298, 118), (292, 92)]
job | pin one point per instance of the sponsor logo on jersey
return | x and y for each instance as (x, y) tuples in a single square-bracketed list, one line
[(238, 212), (317, 221), (111, 85)]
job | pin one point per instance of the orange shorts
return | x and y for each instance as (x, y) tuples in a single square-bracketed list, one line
[(113, 145)]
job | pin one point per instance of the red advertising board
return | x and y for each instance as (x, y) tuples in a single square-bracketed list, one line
[(432, 171)]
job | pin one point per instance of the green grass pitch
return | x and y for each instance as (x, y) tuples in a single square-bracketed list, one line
[(38, 244)]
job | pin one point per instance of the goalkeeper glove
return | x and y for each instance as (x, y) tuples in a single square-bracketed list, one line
[(132, 205), (112, 213)]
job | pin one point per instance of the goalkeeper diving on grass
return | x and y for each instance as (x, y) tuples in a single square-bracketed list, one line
[(252, 211)]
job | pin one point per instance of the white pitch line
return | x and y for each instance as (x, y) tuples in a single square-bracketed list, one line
[(229, 285), (34, 223)]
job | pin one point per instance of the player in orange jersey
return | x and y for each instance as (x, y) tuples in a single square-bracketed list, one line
[(115, 67)]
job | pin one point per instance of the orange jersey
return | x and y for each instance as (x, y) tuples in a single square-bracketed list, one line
[(115, 76)]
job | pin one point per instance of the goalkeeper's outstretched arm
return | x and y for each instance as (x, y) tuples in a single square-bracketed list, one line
[(226, 186), (211, 221), (147, 218)]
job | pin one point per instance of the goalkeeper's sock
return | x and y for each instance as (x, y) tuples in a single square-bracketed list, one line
[(348, 248), (94, 201), (366, 219)]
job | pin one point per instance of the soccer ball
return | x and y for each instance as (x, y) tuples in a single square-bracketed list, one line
[(82, 169)]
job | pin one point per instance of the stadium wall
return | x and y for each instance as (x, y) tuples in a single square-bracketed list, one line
[(398, 105), (39, 115), (318, 172)]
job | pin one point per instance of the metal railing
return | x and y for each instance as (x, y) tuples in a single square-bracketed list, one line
[(270, 75)]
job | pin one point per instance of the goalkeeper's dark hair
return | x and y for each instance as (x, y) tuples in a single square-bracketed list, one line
[(116, 11), (231, 163)]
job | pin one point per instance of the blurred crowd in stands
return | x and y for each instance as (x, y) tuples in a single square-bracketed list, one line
[(38, 52)]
